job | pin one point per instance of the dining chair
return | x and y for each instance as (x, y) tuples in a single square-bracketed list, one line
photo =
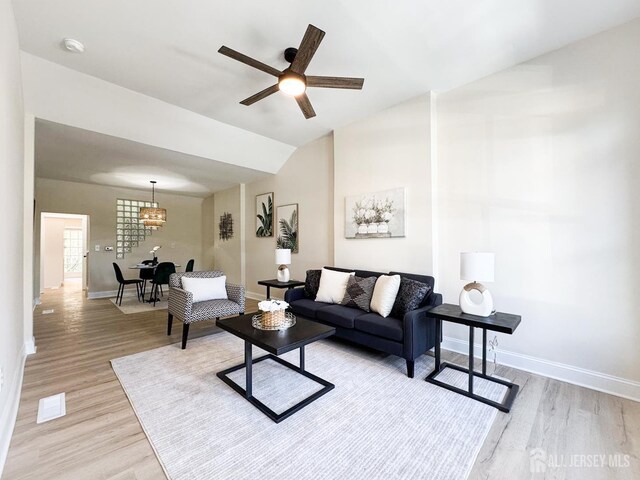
[(123, 283), (189, 267), (161, 277), (145, 275)]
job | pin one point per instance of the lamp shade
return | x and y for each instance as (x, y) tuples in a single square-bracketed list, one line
[(477, 266), (283, 256)]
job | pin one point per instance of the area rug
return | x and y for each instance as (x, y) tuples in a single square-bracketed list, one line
[(376, 424), (132, 305)]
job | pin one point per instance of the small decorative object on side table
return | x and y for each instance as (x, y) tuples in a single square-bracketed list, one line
[(283, 258), (498, 322), (477, 267), (275, 283)]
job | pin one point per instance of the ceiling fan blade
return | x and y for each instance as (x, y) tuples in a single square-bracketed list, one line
[(305, 106), (249, 61), (335, 82), (260, 95), (310, 43)]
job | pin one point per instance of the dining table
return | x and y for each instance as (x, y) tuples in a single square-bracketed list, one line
[(144, 266)]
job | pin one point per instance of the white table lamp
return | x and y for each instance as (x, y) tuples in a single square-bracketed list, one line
[(477, 267), (283, 258)]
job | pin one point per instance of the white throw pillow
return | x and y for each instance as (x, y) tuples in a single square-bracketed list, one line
[(384, 294), (206, 288), (333, 285)]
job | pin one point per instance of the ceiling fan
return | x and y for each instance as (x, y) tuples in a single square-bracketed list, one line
[(292, 80)]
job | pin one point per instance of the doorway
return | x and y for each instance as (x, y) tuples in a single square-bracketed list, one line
[(63, 251)]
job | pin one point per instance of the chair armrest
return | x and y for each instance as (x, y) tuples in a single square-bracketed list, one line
[(294, 294), (180, 303), (235, 293)]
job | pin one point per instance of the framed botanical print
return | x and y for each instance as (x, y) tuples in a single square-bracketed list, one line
[(287, 229), (264, 215)]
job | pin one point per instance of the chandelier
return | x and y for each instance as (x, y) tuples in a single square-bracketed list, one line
[(153, 216)]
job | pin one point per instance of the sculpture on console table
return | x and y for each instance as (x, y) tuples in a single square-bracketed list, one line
[(476, 266)]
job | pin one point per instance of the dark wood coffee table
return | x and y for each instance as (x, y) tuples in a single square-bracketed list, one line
[(276, 343)]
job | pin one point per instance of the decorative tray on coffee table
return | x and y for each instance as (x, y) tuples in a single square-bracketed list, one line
[(267, 322)]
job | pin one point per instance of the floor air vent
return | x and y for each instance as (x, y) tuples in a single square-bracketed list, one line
[(51, 407)]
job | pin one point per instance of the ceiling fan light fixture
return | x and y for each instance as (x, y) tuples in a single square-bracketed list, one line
[(292, 84)]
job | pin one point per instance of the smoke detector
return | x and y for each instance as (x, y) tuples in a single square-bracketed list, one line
[(72, 45)]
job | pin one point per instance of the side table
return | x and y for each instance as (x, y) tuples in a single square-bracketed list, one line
[(498, 322), (276, 284)]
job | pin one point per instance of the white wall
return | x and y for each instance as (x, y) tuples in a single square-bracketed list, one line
[(306, 179), (387, 150), (228, 253), (11, 211), (180, 238), (208, 234), (90, 103), (540, 164)]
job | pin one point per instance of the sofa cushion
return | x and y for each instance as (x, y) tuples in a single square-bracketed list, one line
[(409, 296), (359, 292), (332, 286), (312, 283), (307, 308), (374, 324), (204, 289), (384, 294), (339, 316), (210, 309), (359, 273), (422, 279)]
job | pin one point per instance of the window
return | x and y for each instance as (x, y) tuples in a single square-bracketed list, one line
[(129, 229), (73, 250)]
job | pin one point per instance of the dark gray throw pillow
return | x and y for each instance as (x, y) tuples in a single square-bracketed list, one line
[(359, 292), (409, 297), (312, 283)]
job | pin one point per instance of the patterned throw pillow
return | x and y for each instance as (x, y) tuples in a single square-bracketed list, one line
[(409, 297), (359, 292), (312, 283)]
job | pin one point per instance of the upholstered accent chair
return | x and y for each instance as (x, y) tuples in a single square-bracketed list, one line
[(181, 303)]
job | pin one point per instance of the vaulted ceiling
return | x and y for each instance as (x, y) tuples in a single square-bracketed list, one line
[(76, 155), (168, 50)]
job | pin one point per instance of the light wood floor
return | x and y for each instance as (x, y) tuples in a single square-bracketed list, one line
[(100, 437)]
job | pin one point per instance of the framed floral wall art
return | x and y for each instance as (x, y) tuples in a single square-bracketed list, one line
[(375, 215)]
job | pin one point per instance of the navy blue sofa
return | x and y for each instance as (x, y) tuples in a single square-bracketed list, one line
[(407, 337)]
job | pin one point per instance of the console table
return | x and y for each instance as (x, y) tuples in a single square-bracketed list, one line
[(277, 284), (498, 322)]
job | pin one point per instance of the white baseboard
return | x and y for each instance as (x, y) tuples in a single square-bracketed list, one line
[(30, 346), (602, 382), (255, 296), (36, 302), (9, 415)]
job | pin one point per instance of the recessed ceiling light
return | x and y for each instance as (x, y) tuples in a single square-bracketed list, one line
[(72, 45)]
